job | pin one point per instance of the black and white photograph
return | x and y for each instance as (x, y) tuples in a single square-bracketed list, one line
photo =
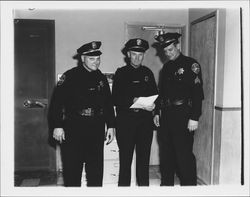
[(126, 98)]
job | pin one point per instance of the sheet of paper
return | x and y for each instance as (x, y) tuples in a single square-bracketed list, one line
[(144, 101)]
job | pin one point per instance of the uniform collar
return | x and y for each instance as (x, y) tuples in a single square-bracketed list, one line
[(84, 70), (133, 68), (178, 58)]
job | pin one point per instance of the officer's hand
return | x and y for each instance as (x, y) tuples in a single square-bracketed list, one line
[(59, 134), (157, 120), (192, 125), (110, 134), (149, 108)]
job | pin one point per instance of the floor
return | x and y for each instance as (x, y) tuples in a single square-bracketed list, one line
[(41, 178), (35, 178)]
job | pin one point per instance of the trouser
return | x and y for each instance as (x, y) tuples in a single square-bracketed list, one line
[(134, 131), (176, 147), (84, 140)]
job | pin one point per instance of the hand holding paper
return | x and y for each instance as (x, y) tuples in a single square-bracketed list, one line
[(144, 102)]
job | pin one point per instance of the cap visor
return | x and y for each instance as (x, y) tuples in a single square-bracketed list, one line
[(163, 45), (94, 53), (137, 49)]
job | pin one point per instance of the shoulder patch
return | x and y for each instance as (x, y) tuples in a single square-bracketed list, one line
[(61, 80), (195, 68)]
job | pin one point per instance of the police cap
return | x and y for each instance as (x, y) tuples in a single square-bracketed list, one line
[(168, 38), (137, 44), (90, 49)]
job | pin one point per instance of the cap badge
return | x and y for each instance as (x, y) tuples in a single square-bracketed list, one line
[(138, 41), (161, 38), (195, 68), (94, 45), (146, 78)]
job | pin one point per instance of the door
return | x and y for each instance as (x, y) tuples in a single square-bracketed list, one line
[(202, 48), (34, 48), (154, 59)]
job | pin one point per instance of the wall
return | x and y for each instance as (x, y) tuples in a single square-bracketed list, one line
[(232, 60), (76, 27), (226, 157), (230, 168)]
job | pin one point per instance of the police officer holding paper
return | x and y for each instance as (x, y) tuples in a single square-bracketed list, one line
[(134, 127), (80, 107), (180, 101)]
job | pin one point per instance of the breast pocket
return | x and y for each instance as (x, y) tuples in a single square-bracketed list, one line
[(134, 86)]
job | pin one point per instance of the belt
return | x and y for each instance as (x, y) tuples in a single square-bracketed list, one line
[(136, 110), (90, 112), (176, 102)]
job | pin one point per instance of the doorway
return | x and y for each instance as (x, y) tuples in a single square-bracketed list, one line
[(34, 70)]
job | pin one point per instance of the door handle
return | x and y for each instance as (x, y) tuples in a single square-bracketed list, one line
[(28, 103)]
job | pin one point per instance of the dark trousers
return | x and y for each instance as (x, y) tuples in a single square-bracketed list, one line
[(176, 147), (134, 131), (83, 144)]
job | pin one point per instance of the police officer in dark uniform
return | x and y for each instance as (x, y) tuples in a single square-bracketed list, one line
[(180, 102), (80, 107), (134, 127)]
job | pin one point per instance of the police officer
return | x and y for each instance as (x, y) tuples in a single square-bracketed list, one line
[(180, 100), (80, 107), (134, 127)]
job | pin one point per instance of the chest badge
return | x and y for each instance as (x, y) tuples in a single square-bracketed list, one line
[(180, 71), (101, 85), (146, 78)]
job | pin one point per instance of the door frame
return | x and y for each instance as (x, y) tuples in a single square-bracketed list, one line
[(203, 18)]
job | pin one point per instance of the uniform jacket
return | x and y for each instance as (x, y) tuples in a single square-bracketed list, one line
[(78, 89), (130, 82), (182, 79)]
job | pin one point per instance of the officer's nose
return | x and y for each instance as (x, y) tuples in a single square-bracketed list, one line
[(167, 53), (97, 62), (137, 57)]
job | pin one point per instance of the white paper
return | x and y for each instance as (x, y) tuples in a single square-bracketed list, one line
[(142, 102)]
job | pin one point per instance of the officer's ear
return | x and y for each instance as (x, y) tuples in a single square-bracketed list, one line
[(82, 57), (178, 46), (128, 54)]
